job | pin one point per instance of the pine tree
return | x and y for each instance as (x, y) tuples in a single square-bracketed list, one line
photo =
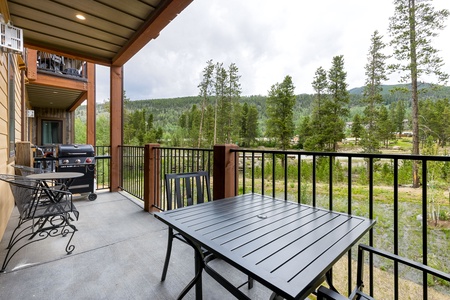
[(221, 107), (205, 93), (412, 28), (234, 93), (248, 125), (316, 140), (305, 132), (385, 129), (435, 117), (357, 128), (337, 104), (375, 75), (280, 104), (398, 114)]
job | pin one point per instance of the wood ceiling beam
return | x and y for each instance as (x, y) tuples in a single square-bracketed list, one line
[(77, 102), (60, 82), (150, 30), (70, 54), (4, 10)]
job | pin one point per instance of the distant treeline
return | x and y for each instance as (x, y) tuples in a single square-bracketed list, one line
[(167, 112)]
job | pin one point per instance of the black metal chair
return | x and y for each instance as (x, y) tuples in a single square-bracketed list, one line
[(328, 294), (184, 189), (39, 218)]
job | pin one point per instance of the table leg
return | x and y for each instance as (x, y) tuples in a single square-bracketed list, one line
[(198, 270), (274, 296), (329, 279), (197, 280)]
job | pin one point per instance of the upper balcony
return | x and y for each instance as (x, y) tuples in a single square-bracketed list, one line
[(58, 65), (56, 81)]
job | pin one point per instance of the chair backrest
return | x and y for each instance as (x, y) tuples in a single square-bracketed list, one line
[(33, 201), (185, 189), (25, 170), (25, 192)]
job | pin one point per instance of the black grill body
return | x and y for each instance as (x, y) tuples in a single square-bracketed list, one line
[(78, 158)]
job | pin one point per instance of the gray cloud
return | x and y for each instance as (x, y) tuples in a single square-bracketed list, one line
[(267, 40)]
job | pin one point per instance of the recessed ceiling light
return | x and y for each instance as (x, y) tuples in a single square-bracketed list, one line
[(80, 17)]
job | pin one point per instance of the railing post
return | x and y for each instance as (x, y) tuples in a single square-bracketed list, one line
[(224, 171), (152, 177)]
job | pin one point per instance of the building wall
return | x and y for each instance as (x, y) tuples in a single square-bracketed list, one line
[(6, 199), (68, 119)]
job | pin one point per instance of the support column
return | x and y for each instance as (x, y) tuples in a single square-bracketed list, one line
[(152, 176), (116, 125), (225, 178), (91, 105)]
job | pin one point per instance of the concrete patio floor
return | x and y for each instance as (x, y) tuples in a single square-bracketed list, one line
[(119, 254)]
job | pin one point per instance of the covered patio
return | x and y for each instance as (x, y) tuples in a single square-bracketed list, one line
[(119, 254)]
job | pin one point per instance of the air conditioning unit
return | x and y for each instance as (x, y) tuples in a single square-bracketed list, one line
[(11, 38)]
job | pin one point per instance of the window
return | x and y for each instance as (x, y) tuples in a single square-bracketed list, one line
[(52, 132), (11, 104)]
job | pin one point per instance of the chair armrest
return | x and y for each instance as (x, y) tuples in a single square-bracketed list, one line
[(325, 293), (406, 261)]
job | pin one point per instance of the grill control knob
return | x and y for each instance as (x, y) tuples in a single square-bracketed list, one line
[(88, 160), (77, 161), (66, 161)]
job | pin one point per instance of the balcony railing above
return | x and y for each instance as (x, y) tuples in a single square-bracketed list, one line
[(61, 65)]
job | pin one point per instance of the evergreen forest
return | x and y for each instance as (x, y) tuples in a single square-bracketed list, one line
[(159, 120)]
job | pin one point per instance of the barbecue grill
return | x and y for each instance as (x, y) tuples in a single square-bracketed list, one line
[(78, 158)]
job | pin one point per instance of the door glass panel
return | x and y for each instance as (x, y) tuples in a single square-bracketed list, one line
[(51, 132)]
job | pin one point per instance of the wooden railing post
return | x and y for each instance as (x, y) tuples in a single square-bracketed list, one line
[(152, 177), (224, 171)]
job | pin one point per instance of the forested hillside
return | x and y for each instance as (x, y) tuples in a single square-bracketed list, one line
[(167, 112)]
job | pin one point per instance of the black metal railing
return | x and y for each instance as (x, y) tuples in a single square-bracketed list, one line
[(181, 160), (61, 65), (132, 180), (412, 222), (102, 167)]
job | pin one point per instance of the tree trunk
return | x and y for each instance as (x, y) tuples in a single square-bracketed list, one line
[(414, 96), (200, 133), (215, 122)]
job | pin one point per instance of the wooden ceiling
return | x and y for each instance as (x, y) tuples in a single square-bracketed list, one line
[(112, 32)]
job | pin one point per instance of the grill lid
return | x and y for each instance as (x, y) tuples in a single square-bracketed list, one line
[(72, 150)]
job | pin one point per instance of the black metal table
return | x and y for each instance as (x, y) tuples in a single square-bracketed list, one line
[(65, 179), (287, 247)]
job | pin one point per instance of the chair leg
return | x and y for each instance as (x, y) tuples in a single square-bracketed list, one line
[(169, 251), (250, 282)]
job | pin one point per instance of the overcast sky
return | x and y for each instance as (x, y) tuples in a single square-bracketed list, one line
[(267, 40)]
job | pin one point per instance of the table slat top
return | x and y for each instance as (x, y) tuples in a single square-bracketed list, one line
[(284, 245), (55, 175)]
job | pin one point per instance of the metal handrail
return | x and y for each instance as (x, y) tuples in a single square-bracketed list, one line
[(329, 180)]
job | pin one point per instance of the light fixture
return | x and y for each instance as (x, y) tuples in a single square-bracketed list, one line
[(80, 17)]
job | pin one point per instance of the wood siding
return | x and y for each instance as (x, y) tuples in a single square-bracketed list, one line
[(7, 201)]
